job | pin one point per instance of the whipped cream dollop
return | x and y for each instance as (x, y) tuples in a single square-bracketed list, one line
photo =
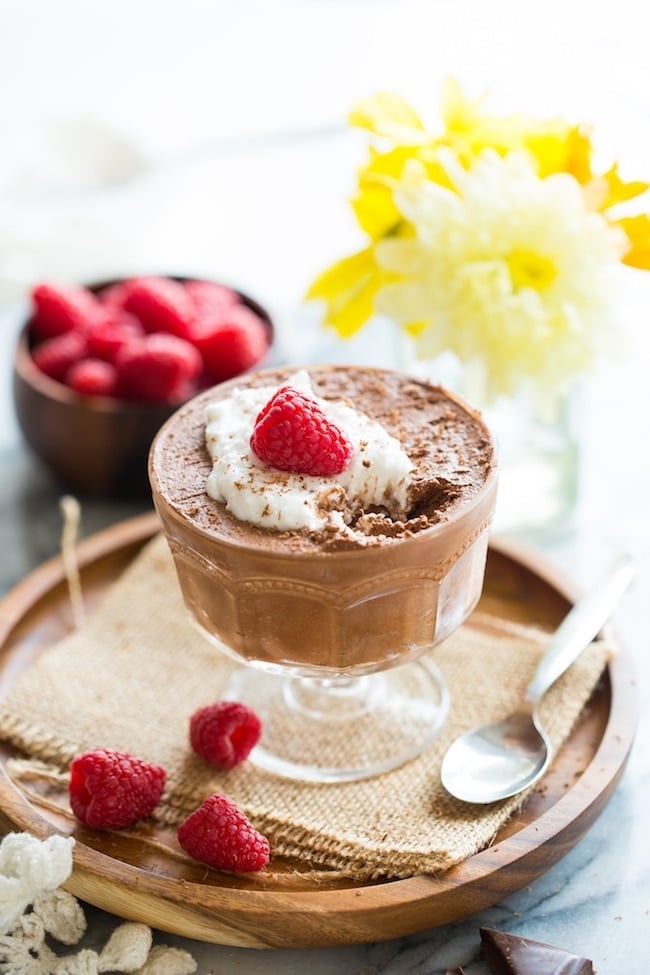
[(379, 473)]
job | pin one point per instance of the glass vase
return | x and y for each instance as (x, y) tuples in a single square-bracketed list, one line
[(539, 446), (540, 463)]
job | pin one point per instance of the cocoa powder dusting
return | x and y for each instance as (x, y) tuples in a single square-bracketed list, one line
[(450, 449)]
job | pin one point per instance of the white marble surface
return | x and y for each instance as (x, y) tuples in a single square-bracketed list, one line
[(210, 137)]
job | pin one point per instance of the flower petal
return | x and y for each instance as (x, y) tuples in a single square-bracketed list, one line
[(342, 276), (387, 114), (637, 231)]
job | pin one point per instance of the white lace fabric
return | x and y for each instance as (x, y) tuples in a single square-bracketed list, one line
[(40, 921)]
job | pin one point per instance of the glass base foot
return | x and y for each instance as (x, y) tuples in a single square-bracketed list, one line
[(342, 729)]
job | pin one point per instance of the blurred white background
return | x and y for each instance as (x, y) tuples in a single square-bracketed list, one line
[(211, 137), (210, 133)]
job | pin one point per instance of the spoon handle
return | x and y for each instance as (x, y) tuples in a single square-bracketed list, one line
[(580, 626)]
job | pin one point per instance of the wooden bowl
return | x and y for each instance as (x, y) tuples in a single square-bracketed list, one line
[(96, 445)]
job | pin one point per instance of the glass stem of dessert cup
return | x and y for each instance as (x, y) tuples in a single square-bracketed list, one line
[(342, 728)]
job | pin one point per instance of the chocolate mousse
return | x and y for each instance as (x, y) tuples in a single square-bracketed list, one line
[(367, 586), (509, 954)]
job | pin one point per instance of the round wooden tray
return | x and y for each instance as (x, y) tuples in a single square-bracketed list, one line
[(141, 877)]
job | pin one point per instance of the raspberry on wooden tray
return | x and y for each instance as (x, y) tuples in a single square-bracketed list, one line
[(219, 834), (111, 789), (224, 733)]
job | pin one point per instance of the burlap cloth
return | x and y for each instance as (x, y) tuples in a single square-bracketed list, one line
[(132, 674)]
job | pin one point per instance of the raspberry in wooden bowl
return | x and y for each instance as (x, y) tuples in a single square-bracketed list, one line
[(98, 369)]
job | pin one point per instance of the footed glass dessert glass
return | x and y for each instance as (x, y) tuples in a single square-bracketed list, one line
[(332, 630)]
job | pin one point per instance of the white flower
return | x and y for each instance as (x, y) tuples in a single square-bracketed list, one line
[(506, 269)]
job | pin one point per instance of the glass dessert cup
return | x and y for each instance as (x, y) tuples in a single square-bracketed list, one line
[(332, 645)]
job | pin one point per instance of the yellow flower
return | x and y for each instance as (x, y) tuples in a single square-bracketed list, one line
[(555, 145), (374, 206), (637, 232), (514, 281), (349, 288), (389, 115)]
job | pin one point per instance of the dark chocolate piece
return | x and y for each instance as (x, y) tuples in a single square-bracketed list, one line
[(508, 954)]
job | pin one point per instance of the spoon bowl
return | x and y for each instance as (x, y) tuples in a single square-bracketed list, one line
[(498, 760)]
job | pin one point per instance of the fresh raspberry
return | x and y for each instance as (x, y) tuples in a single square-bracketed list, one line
[(59, 309), (293, 433), (55, 356), (161, 304), (224, 733), (107, 337), (92, 377), (232, 344), (211, 300), (110, 789), (218, 833), (114, 296), (157, 368)]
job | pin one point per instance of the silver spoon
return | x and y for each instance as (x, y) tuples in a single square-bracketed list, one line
[(498, 760)]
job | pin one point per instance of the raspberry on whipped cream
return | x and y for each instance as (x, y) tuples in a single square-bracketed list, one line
[(379, 473)]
